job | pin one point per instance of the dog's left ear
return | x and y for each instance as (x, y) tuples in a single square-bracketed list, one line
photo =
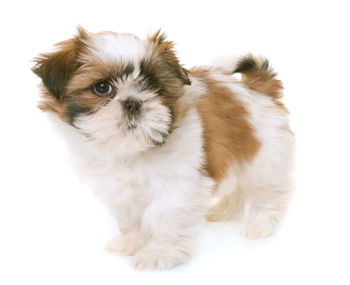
[(56, 68), (165, 49)]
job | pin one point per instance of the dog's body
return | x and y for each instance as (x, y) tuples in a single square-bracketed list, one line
[(158, 142)]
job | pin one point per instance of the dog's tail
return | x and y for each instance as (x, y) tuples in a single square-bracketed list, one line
[(259, 76)]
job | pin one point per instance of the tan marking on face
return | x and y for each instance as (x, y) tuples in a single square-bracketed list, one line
[(228, 135), (51, 104), (55, 69), (70, 73)]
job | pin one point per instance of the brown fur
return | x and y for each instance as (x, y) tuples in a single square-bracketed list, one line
[(163, 71), (79, 90), (51, 104), (68, 79), (228, 136), (259, 76), (165, 49), (55, 69), (69, 73)]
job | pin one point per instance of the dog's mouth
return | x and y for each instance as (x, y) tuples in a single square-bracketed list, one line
[(132, 124)]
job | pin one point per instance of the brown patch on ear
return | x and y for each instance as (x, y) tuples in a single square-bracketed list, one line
[(228, 135), (165, 49), (50, 104), (161, 73), (56, 68)]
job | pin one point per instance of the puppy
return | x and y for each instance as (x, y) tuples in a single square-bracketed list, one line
[(167, 148)]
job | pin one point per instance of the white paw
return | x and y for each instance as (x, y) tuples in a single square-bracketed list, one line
[(260, 223), (255, 231), (158, 258), (259, 227), (124, 244)]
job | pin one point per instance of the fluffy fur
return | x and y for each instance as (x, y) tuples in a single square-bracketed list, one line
[(162, 143)]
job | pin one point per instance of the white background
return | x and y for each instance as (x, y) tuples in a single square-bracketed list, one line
[(53, 230)]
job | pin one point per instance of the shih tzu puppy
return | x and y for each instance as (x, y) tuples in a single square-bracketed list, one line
[(168, 148)]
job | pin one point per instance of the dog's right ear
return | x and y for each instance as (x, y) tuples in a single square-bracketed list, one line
[(56, 68), (166, 51)]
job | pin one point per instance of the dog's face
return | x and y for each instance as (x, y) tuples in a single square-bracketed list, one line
[(113, 87)]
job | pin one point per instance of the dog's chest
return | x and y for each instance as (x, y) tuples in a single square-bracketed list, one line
[(117, 180)]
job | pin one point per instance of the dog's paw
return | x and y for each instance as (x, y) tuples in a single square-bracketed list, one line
[(158, 258), (124, 244), (259, 228), (255, 231), (260, 223)]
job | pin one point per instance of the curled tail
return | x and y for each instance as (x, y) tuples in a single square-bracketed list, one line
[(259, 76)]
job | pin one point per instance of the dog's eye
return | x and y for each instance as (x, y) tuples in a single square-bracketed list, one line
[(102, 88)]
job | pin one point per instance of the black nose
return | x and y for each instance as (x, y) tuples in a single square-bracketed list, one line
[(132, 106)]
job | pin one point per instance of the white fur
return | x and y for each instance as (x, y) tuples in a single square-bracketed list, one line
[(267, 190), (112, 47), (109, 127), (265, 183), (226, 64), (159, 195)]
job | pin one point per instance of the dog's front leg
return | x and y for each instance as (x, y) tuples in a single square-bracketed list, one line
[(171, 223), (131, 238)]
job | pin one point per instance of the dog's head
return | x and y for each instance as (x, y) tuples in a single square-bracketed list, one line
[(113, 86)]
